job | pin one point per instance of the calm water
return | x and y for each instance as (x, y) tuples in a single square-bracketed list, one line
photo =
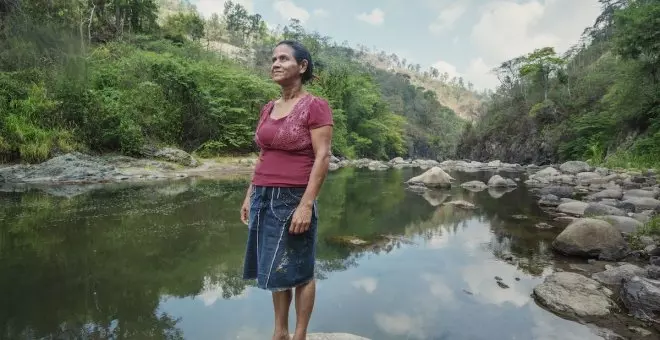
[(163, 261)]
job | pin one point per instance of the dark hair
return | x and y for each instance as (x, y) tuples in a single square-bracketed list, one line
[(301, 53)]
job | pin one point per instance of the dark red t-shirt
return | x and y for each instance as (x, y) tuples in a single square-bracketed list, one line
[(287, 155)]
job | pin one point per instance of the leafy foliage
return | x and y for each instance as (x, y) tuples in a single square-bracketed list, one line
[(599, 102)]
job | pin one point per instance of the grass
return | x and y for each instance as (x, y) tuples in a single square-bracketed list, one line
[(651, 228)]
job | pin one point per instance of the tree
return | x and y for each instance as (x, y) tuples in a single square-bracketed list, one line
[(540, 64), (638, 33)]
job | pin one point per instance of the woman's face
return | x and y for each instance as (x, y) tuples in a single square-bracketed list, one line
[(285, 69)]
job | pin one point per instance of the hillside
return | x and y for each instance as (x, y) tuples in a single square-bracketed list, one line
[(452, 93), (599, 102), (138, 75)]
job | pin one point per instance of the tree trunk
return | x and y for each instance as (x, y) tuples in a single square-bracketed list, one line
[(89, 24)]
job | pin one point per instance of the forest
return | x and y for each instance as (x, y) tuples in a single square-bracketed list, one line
[(600, 101), (113, 76)]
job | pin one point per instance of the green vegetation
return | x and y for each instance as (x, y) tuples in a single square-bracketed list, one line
[(600, 102), (109, 76)]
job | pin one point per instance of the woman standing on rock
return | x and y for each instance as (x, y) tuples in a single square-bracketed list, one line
[(294, 134)]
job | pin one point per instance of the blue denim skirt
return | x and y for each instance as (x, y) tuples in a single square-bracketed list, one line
[(277, 259)]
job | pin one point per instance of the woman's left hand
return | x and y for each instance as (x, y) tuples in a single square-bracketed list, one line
[(301, 219)]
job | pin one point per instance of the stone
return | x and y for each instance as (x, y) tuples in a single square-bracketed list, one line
[(475, 186), (641, 296), (561, 191), (461, 204), (640, 193), (624, 224), (614, 275), (574, 295), (591, 238), (595, 209), (575, 167), (544, 226), (549, 200), (575, 208), (173, 155), (607, 193), (643, 203), (498, 181), (433, 178)]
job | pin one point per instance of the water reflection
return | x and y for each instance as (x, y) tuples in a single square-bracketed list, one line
[(163, 261)]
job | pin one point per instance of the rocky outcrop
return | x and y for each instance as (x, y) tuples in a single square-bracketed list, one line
[(170, 155), (498, 181), (575, 167), (574, 295), (591, 238), (475, 186), (641, 296), (433, 178)]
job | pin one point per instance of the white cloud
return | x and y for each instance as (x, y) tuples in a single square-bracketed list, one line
[(480, 74), (288, 10), (376, 17), (369, 284), (322, 13), (208, 7), (400, 324), (447, 18), (508, 29), (444, 66)]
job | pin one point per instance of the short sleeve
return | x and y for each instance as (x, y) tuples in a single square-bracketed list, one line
[(320, 114)]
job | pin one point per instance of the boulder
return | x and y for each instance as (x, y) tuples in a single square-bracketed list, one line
[(498, 181), (574, 295), (575, 208), (624, 224), (575, 167), (475, 185), (169, 154), (591, 238), (561, 191), (641, 296), (607, 193), (615, 275), (433, 178), (462, 204), (640, 193), (643, 203), (595, 209)]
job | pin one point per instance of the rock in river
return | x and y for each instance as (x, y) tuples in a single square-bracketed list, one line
[(433, 178), (588, 237), (642, 297), (574, 295)]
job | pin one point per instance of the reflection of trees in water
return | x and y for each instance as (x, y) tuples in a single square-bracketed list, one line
[(96, 265)]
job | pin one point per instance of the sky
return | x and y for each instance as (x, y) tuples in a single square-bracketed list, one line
[(465, 38)]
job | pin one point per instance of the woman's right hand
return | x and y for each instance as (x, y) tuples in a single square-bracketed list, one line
[(245, 211)]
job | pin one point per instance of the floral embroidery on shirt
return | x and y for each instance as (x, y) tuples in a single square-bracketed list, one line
[(293, 134)]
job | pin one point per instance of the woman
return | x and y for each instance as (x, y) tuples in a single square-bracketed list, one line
[(294, 134)]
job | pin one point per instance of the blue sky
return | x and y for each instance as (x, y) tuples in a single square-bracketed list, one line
[(462, 37)]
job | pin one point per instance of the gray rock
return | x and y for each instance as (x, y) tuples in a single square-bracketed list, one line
[(591, 238), (624, 224), (640, 193), (562, 191), (574, 295), (433, 178), (614, 275), (575, 167), (607, 193), (498, 181), (575, 208), (475, 186), (602, 171), (643, 203), (549, 200), (595, 209), (170, 154), (586, 178), (653, 272), (641, 296), (462, 204), (543, 225), (640, 331)]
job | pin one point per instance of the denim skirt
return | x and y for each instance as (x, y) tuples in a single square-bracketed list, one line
[(277, 259)]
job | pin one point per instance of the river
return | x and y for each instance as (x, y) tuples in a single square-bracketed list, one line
[(163, 261)]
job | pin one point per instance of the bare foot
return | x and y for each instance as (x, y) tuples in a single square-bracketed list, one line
[(281, 336)]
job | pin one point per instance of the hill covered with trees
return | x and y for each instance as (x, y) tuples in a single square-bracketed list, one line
[(598, 102), (111, 76)]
